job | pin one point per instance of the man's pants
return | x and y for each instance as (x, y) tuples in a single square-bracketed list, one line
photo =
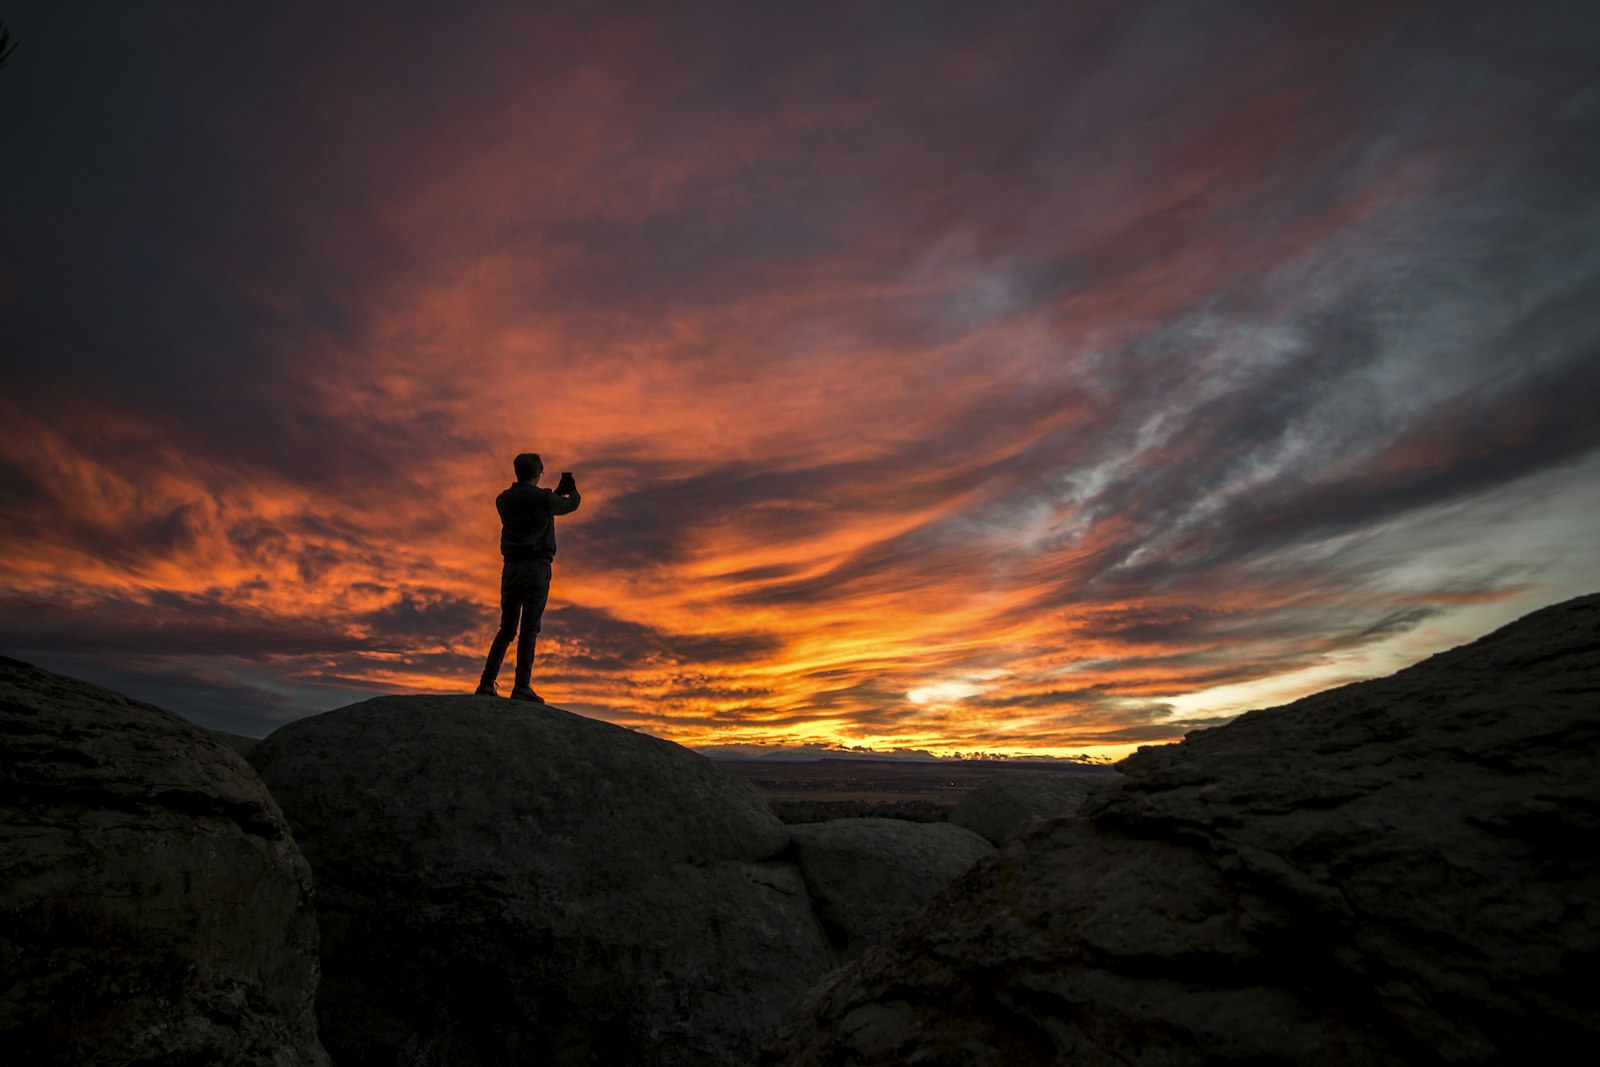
[(524, 588)]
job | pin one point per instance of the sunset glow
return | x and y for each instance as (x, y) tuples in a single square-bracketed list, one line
[(1021, 378)]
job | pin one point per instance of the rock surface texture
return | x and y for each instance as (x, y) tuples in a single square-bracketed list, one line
[(155, 909), (505, 883), (1402, 871), (1000, 805), (868, 875)]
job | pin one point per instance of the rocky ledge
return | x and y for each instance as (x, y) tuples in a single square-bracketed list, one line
[(156, 910), (504, 883), (1401, 871), (494, 883)]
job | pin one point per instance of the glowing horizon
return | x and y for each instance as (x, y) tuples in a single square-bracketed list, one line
[(1032, 379)]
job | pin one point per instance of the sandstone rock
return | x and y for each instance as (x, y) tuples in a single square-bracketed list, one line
[(156, 910), (793, 811), (1000, 805), (505, 883), (867, 875), (688, 967), (1403, 871)]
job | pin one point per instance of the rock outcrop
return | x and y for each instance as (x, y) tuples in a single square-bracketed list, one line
[(1000, 805), (865, 876), (506, 883), (1402, 871), (156, 910)]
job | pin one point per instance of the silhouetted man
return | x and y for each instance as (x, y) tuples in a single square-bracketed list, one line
[(527, 544)]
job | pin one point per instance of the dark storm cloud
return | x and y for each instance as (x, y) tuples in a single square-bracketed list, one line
[(425, 616), (597, 640), (173, 623), (701, 686), (119, 93), (125, 539)]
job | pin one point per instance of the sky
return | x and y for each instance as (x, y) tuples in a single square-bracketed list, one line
[(1019, 378)]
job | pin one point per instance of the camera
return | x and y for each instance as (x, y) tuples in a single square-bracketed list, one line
[(566, 485)]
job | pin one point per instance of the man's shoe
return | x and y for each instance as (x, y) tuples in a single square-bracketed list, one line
[(523, 692), (486, 689)]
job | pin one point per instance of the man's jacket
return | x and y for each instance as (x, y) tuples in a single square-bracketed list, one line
[(527, 520)]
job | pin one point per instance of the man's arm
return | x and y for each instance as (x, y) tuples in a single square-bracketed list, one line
[(565, 504)]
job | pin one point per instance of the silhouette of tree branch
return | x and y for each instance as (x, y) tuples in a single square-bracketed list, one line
[(7, 46)]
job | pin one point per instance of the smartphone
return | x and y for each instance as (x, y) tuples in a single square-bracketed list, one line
[(566, 485)]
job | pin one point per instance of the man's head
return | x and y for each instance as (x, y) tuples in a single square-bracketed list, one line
[(528, 467)]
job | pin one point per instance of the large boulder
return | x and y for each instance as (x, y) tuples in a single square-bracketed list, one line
[(156, 910), (505, 883), (865, 876), (1403, 871), (1003, 803)]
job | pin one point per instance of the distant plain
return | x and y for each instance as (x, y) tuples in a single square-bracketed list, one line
[(921, 790)]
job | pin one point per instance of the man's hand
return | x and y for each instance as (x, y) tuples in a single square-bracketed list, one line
[(566, 485)]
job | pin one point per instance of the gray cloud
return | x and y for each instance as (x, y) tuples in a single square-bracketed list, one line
[(597, 640), (428, 615), (171, 623)]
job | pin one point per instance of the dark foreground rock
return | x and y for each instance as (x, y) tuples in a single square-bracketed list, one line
[(1000, 805), (504, 883), (868, 875), (155, 909), (794, 812), (1403, 871)]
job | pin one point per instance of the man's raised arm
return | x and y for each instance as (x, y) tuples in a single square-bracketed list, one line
[(565, 503)]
